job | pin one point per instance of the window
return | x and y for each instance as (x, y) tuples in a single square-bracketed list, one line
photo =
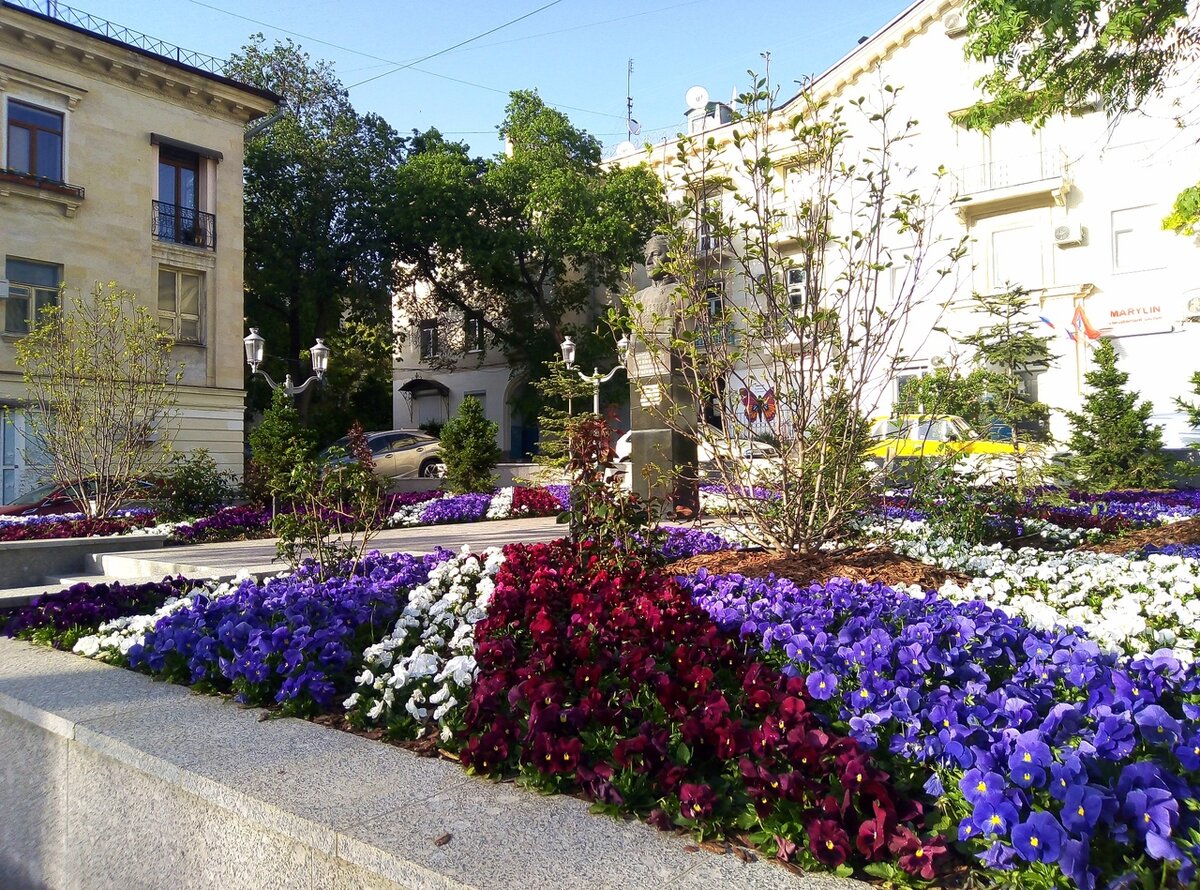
[(1016, 258), (35, 141), (32, 287), (473, 332), (1136, 240), (718, 313), (429, 339), (797, 278), (180, 295), (177, 214)]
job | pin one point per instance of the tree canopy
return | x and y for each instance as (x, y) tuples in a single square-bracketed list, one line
[(1050, 57), (521, 239), (317, 198)]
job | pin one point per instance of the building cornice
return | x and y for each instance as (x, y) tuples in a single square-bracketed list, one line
[(30, 35)]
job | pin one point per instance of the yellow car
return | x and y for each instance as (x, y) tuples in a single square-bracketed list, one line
[(928, 435)]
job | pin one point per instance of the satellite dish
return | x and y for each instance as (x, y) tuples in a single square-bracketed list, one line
[(624, 149), (696, 97)]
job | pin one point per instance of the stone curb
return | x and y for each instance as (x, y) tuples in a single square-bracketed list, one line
[(365, 812)]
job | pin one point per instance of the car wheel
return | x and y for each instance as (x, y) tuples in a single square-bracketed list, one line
[(433, 469)]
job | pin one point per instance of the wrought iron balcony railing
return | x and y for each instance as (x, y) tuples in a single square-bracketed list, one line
[(183, 225)]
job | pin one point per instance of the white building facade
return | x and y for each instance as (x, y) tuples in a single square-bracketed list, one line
[(1071, 212)]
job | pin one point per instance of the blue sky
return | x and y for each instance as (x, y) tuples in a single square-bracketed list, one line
[(574, 53)]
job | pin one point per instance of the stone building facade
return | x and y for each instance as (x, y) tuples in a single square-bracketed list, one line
[(122, 163)]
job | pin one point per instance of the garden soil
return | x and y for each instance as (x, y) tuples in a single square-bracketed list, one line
[(1185, 532), (869, 564)]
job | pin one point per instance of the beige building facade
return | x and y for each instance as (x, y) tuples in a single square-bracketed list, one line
[(122, 164), (1071, 212)]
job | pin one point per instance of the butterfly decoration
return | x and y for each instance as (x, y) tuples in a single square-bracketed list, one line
[(759, 407)]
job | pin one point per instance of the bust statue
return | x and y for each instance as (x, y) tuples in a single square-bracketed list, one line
[(654, 313)]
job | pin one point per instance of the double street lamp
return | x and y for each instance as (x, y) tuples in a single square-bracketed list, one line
[(254, 355), (595, 378)]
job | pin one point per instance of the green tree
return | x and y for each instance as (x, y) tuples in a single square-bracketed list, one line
[(318, 191), (559, 390), (947, 390), (1006, 350), (1052, 57), (1112, 440), (102, 392), (525, 239), (277, 446), (469, 449)]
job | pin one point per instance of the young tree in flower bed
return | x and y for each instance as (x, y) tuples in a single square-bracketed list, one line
[(1049, 755), (615, 683), (60, 618), (293, 641)]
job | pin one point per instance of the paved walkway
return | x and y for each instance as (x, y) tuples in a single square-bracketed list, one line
[(202, 561)]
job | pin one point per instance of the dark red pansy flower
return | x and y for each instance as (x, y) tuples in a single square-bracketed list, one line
[(828, 842), (696, 801)]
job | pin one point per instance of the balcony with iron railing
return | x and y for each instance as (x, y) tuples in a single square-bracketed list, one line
[(183, 225), (1010, 182)]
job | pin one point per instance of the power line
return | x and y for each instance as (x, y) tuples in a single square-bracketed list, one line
[(442, 52), (412, 65)]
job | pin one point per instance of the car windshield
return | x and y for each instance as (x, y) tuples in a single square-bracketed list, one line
[(36, 496)]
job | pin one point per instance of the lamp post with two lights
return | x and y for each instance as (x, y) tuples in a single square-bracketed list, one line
[(595, 378), (255, 345)]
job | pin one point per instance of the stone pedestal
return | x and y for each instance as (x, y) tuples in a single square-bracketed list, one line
[(662, 460)]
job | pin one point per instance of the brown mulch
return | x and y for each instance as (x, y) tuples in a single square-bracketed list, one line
[(1185, 532), (872, 564)]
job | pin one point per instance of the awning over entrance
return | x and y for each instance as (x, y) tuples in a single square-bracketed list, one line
[(421, 386)]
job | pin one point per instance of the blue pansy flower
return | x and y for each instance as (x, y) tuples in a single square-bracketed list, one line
[(1039, 838)]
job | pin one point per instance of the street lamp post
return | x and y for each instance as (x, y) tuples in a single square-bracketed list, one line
[(595, 378), (254, 355)]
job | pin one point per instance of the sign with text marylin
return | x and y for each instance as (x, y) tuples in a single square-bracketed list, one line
[(1126, 316)]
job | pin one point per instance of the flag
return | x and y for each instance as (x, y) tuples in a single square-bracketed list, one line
[(1047, 322), (1079, 321)]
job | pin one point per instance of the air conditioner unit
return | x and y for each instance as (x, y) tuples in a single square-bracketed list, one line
[(955, 24), (3, 288), (1068, 234)]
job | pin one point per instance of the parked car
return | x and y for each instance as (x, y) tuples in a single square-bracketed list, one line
[(758, 456), (928, 435), (399, 454), (53, 498)]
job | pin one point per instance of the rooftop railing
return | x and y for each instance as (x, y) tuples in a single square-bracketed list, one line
[(60, 12)]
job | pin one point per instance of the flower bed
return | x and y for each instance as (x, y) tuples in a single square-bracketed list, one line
[(616, 685), (61, 618), (1126, 604), (75, 525), (227, 524), (1041, 747), (421, 673), (293, 641)]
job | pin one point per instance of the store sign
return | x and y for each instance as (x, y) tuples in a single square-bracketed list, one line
[(1123, 318), (1119, 315)]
